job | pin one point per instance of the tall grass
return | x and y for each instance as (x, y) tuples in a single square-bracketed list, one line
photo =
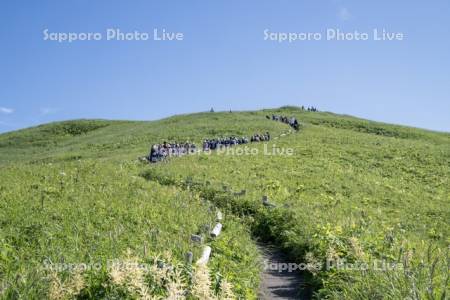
[(348, 194), (354, 190)]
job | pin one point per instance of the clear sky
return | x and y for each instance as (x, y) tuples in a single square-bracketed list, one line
[(223, 60)]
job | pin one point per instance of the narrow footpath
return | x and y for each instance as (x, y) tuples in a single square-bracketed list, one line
[(276, 284)]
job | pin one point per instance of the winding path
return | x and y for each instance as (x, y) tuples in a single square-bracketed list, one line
[(280, 284)]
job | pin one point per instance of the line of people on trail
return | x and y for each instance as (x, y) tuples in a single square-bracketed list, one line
[(260, 137), (292, 121), (213, 144), (159, 152), (310, 108)]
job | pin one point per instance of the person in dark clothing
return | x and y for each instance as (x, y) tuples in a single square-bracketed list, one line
[(152, 157)]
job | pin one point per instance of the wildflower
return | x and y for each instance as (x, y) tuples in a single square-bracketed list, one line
[(226, 290), (356, 247), (202, 284)]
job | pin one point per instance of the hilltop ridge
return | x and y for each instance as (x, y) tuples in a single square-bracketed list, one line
[(108, 135)]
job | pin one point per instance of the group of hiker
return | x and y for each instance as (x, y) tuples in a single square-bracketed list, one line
[(159, 152), (292, 121), (260, 137), (213, 144), (310, 108), (217, 143)]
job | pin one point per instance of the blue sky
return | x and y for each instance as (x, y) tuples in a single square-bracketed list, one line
[(223, 60)]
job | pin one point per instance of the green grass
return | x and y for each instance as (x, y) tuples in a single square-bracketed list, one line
[(354, 189), (71, 193)]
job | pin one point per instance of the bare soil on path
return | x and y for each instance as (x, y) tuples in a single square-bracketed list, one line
[(280, 284)]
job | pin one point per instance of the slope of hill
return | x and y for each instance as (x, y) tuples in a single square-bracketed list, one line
[(353, 191)]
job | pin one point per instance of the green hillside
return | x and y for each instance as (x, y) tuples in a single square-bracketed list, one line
[(354, 190)]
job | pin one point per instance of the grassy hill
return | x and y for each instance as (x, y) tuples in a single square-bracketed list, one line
[(354, 190)]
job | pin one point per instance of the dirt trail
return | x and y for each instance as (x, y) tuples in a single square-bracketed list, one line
[(276, 284)]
